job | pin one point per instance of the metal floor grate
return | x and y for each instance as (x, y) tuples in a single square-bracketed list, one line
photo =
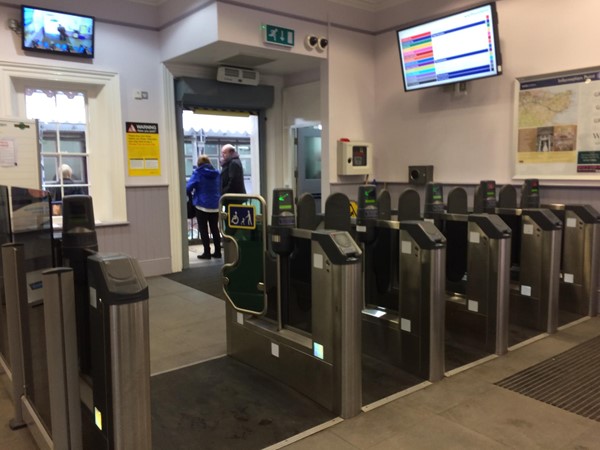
[(569, 381)]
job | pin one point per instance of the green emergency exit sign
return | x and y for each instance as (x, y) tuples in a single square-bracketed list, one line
[(278, 35)]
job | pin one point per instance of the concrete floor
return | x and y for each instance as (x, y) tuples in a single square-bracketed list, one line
[(464, 411)]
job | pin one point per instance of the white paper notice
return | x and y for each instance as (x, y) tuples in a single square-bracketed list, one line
[(8, 153)]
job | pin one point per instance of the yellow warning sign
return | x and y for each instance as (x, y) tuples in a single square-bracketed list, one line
[(143, 149), (353, 208)]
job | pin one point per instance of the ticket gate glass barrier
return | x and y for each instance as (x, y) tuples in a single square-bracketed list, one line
[(15, 288), (535, 272), (61, 344), (5, 238), (42, 352), (580, 261), (298, 313), (32, 227)]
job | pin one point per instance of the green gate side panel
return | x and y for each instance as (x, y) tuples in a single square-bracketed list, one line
[(245, 277)]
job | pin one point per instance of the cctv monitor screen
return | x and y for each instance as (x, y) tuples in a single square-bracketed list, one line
[(57, 32), (451, 49)]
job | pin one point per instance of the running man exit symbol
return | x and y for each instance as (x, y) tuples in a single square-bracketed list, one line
[(278, 35), (241, 216)]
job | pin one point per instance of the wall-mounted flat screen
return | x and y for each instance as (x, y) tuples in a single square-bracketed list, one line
[(57, 32), (451, 49)]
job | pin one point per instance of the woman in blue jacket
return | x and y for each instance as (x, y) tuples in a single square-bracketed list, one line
[(205, 187)]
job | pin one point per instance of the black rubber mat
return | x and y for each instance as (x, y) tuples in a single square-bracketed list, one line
[(568, 381), (205, 278), (225, 404)]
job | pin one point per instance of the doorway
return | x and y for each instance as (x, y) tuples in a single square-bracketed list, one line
[(307, 143), (204, 133)]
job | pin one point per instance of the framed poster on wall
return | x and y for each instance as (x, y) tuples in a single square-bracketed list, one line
[(557, 126)]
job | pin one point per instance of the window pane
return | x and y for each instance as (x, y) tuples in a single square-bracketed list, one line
[(48, 137), (246, 164), (49, 170), (70, 107), (189, 167), (78, 165), (188, 148), (49, 146), (72, 146), (40, 105), (243, 149), (312, 155), (212, 149)]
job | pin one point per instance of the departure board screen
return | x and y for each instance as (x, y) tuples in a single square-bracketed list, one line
[(452, 49)]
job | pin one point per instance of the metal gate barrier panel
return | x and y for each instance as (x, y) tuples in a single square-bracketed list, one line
[(580, 258), (323, 364), (422, 298), (534, 295)]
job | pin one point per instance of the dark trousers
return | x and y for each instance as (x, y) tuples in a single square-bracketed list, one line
[(206, 219)]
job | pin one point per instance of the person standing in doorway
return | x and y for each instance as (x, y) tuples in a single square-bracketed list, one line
[(232, 172), (232, 178), (204, 186)]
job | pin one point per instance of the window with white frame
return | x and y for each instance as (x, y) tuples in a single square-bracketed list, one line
[(93, 145), (62, 122)]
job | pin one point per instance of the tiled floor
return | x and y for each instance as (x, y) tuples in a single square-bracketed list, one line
[(467, 411), (464, 411)]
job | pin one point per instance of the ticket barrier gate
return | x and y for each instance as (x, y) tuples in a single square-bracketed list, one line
[(477, 270), (47, 402), (403, 299), (322, 360), (580, 262), (535, 263), (119, 332), (51, 396), (580, 255)]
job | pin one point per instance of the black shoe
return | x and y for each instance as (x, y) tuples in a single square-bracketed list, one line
[(215, 255), (204, 256)]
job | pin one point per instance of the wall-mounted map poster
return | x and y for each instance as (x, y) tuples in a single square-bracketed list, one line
[(558, 126)]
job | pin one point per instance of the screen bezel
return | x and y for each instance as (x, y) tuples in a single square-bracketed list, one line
[(496, 43), (54, 52)]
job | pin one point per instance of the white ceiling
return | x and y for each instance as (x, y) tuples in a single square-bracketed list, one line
[(369, 5)]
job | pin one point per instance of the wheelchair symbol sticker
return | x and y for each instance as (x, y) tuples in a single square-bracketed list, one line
[(241, 216)]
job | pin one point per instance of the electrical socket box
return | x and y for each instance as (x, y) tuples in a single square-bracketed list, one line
[(420, 175), (355, 158)]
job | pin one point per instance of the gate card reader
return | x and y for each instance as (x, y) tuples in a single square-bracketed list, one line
[(339, 246), (283, 220), (283, 208), (530, 193), (367, 203), (122, 278), (485, 197), (121, 352)]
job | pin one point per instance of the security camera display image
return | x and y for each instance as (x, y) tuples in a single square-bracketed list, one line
[(57, 32)]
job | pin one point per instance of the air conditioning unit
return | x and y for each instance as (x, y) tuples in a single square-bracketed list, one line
[(238, 75)]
